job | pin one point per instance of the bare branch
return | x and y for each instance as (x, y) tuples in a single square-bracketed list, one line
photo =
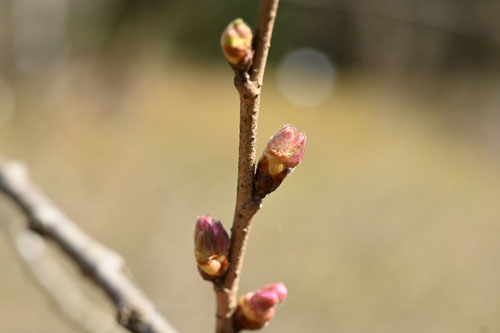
[(249, 86), (59, 286), (105, 267), (267, 16)]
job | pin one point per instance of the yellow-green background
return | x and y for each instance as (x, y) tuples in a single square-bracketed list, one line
[(390, 224)]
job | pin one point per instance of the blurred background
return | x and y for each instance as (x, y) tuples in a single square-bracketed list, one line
[(125, 113)]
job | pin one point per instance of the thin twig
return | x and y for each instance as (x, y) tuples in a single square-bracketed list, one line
[(267, 16), (105, 267), (249, 85)]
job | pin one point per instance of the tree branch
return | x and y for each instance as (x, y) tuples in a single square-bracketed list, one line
[(249, 85), (105, 267), (62, 289), (267, 16)]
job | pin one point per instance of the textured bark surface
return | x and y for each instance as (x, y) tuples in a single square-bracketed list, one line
[(249, 86)]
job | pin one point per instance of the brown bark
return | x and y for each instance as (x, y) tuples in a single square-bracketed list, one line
[(249, 86)]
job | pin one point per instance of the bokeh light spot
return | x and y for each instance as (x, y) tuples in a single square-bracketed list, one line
[(305, 77)]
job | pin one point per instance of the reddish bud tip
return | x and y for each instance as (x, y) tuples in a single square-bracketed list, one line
[(263, 300), (256, 309), (211, 247), (283, 153), (278, 288), (286, 148), (236, 44)]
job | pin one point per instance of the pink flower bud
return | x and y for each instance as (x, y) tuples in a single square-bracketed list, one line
[(283, 153), (236, 44), (287, 147), (211, 245), (256, 309), (278, 288), (261, 302)]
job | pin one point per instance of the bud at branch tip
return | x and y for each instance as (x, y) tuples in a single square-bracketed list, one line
[(236, 44)]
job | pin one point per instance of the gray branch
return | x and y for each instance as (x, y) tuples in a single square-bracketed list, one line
[(62, 288), (105, 267)]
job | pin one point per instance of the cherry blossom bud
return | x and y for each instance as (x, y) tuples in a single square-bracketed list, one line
[(236, 44), (283, 153), (211, 244), (256, 309)]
